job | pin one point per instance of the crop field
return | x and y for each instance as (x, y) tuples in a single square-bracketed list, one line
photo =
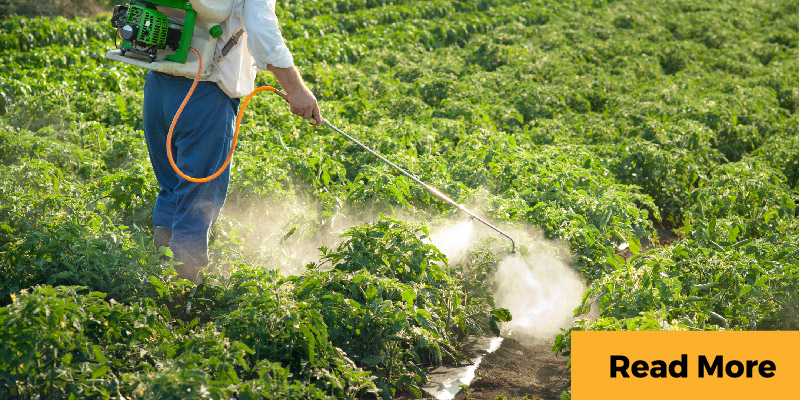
[(657, 141)]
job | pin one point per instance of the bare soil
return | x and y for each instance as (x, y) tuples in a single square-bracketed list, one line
[(665, 237), (517, 370), (528, 368), (521, 368)]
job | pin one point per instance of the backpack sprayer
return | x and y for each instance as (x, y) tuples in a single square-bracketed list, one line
[(148, 34), (159, 34)]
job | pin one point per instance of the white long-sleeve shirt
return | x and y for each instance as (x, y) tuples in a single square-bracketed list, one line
[(261, 45)]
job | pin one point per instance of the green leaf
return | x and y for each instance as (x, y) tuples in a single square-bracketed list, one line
[(501, 314), (158, 286), (371, 361), (326, 178), (493, 326), (745, 290), (98, 354), (121, 106), (286, 236), (63, 275), (424, 313), (634, 244), (717, 317), (100, 371), (409, 296), (310, 340), (733, 233)]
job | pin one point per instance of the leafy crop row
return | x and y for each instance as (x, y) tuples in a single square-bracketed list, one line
[(597, 121)]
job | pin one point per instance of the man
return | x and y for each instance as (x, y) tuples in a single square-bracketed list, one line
[(185, 211)]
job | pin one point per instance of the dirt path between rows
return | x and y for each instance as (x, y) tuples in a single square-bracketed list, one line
[(517, 370), (529, 367)]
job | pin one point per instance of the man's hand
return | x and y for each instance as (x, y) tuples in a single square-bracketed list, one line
[(301, 101)]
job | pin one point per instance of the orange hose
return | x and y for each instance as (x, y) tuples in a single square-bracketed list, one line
[(235, 133)]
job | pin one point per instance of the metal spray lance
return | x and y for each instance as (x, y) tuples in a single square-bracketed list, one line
[(430, 188)]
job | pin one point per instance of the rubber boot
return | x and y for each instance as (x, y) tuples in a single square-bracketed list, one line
[(192, 273), (161, 237)]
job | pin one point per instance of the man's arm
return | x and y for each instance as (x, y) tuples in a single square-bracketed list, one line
[(266, 44), (301, 101)]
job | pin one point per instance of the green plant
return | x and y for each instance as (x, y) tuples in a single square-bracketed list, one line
[(590, 120), (391, 305)]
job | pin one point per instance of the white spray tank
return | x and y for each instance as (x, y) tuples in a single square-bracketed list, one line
[(150, 28)]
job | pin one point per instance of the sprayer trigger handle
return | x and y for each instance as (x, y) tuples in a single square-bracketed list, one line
[(324, 123)]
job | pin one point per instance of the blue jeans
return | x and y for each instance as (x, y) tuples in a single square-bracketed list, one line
[(200, 143)]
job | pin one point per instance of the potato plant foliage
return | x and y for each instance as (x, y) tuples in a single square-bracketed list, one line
[(596, 121)]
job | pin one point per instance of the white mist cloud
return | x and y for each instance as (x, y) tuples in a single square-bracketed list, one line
[(540, 288), (453, 240), (541, 291)]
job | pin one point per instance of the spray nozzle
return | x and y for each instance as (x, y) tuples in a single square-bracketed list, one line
[(474, 217)]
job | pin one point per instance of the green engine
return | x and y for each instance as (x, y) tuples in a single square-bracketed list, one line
[(146, 26), (145, 30)]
